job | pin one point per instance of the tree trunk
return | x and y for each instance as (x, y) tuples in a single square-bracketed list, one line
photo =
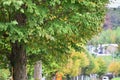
[(18, 61), (82, 77), (38, 70)]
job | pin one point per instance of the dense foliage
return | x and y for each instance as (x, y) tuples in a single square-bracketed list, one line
[(114, 68), (96, 66), (46, 28)]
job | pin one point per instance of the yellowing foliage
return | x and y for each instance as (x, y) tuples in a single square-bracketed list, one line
[(76, 61), (114, 67), (102, 66), (96, 67)]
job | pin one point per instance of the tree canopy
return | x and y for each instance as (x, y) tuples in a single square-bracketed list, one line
[(46, 26), (42, 22)]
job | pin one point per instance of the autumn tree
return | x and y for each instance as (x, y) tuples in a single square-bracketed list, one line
[(102, 66), (114, 68), (96, 66), (92, 67), (34, 27), (76, 61)]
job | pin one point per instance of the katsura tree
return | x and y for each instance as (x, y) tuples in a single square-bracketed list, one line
[(36, 27)]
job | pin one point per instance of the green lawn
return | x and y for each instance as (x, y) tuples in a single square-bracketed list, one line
[(116, 78)]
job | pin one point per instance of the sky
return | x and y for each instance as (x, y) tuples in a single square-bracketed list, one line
[(114, 3)]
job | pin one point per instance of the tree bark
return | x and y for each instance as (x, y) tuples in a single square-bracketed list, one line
[(38, 70), (18, 61)]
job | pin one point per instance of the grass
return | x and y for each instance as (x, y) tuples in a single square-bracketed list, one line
[(116, 78)]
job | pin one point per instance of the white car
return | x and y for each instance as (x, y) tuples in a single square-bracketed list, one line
[(105, 78)]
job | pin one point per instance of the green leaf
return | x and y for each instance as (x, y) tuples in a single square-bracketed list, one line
[(8, 2), (72, 1), (22, 10), (19, 3), (14, 22)]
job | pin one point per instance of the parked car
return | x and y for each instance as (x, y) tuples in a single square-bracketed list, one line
[(110, 75), (105, 78)]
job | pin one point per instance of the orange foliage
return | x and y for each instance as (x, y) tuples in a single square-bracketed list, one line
[(59, 76), (114, 67)]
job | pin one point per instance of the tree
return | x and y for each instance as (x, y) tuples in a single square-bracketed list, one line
[(29, 27), (114, 68), (102, 66), (96, 66), (92, 67), (107, 37), (38, 70), (76, 61)]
